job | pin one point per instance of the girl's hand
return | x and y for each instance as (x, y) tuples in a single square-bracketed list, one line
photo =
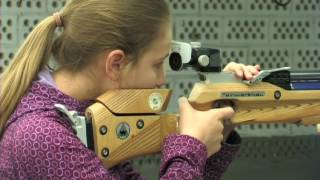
[(206, 126), (242, 71)]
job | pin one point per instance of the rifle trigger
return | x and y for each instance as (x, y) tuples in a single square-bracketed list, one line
[(224, 103)]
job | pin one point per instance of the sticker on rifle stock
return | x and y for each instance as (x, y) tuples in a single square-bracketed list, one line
[(243, 94), (155, 101), (123, 130)]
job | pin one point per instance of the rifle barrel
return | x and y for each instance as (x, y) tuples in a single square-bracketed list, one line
[(305, 80)]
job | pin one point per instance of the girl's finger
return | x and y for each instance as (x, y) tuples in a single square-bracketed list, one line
[(253, 70), (248, 75)]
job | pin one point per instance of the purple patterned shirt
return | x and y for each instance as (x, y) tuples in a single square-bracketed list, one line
[(39, 143)]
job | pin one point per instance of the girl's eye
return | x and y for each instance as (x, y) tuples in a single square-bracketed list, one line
[(158, 65)]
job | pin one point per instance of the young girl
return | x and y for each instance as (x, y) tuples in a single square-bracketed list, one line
[(105, 44)]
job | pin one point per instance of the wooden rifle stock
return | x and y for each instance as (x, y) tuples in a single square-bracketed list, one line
[(128, 123), (135, 125)]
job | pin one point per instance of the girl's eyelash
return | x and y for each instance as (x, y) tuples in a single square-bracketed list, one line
[(159, 64)]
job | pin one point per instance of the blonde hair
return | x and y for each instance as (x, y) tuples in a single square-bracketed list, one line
[(90, 27)]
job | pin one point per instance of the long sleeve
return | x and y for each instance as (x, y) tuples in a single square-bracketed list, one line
[(183, 157), (127, 172), (42, 148), (218, 163)]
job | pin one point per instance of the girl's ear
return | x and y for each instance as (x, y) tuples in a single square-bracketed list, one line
[(115, 61)]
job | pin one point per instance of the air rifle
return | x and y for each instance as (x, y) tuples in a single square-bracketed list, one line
[(126, 123)]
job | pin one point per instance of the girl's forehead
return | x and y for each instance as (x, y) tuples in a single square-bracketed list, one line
[(160, 45)]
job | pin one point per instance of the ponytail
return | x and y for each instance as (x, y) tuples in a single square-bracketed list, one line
[(24, 67)]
